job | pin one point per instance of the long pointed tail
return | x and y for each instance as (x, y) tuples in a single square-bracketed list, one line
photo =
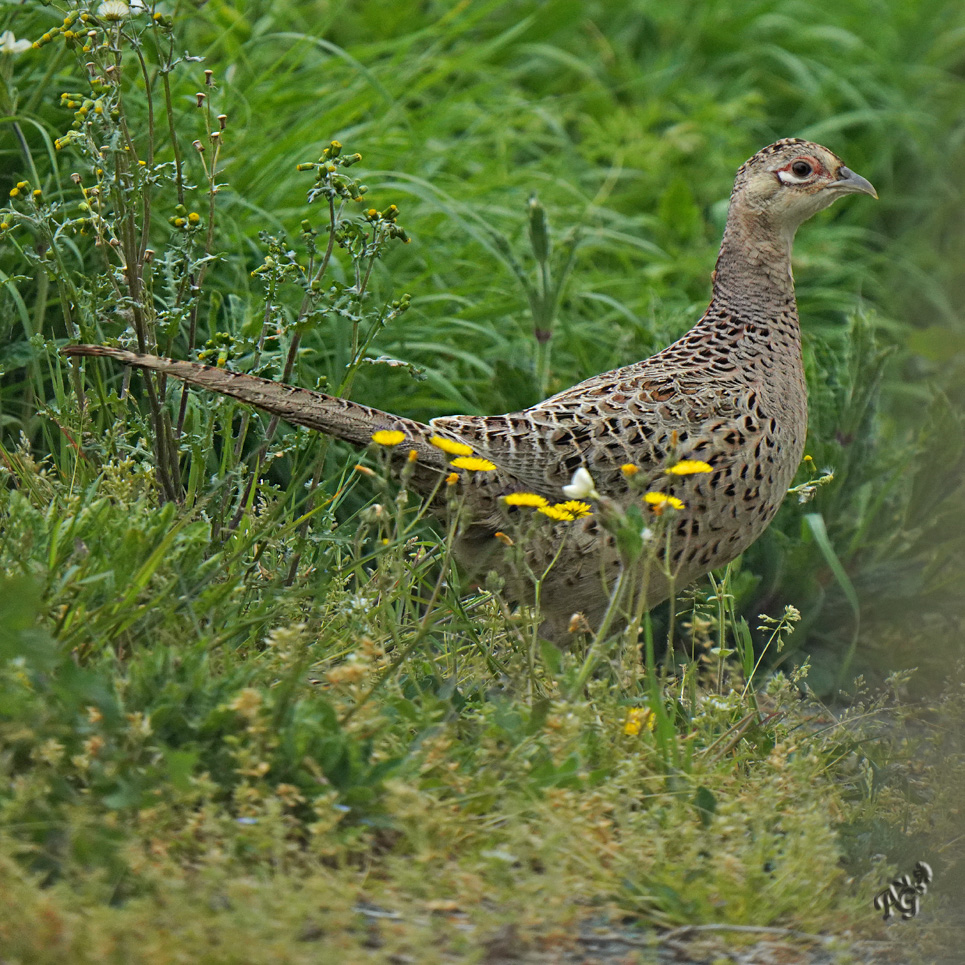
[(334, 416)]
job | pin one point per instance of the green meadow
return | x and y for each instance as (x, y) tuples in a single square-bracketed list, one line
[(249, 710)]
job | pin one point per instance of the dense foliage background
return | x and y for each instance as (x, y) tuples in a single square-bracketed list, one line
[(131, 606)]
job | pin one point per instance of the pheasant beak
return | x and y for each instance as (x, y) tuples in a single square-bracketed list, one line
[(850, 183)]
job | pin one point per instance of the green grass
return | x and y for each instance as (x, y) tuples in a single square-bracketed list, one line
[(242, 695)]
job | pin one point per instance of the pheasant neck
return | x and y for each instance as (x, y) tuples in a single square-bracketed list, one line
[(753, 280)]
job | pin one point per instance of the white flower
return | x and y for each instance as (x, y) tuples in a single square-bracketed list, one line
[(581, 486), (113, 10), (10, 45)]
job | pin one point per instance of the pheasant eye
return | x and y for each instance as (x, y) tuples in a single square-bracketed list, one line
[(801, 168)]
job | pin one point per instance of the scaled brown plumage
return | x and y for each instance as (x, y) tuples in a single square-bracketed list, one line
[(729, 393)]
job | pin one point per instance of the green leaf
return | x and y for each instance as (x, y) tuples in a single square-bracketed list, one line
[(20, 637), (706, 804), (815, 523)]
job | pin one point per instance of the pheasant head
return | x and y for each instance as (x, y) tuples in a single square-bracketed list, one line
[(775, 191), (791, 180)]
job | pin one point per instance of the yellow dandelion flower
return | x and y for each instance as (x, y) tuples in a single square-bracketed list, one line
[(556, 512), (451, 446), (388, 437), (690, 467), (503, 538), (660, 501), (637, 718), (629, 469), (472, 463), (525, 499), (452, 479), (577, 507)]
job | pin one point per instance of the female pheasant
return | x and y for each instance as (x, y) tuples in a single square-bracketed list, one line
[(730, 393)]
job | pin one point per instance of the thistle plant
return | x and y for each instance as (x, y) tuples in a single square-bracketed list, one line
[(543, 289)]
